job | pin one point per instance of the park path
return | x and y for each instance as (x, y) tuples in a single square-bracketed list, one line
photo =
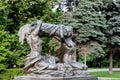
[(102, 69)]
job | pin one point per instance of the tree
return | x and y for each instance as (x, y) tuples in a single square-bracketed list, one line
[(113, 21), (89, 25), (14, 14)]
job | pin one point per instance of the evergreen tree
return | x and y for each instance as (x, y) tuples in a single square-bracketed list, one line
[(113, 21), (89, 25)]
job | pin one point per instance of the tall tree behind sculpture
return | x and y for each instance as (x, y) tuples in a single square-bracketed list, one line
[(89, 23), (113, 21)]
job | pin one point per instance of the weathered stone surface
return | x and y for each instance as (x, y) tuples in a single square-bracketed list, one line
[(35, 61), (54, 78), (39, 67)]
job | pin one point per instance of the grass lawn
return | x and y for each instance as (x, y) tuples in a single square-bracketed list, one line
[(106, 74)]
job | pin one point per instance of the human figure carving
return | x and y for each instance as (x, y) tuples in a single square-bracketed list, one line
[(35, 62)]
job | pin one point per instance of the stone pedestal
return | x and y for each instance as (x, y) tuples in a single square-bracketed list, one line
[(54, 78)]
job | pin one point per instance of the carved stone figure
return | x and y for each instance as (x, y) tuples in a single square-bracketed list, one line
[(64, 65)]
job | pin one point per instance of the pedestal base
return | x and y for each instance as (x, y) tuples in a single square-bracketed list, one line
[(54, 78)]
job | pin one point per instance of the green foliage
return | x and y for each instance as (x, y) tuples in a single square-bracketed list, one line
[(11, 50), (9, 74), (13, 15), (54, 46), (4, 11), (89, 25), (2, 67), (113, 21), (6, 43), (114, 30), (96, 51), (87, 22)]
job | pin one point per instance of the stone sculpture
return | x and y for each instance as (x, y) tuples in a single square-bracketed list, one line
[(63, 65)]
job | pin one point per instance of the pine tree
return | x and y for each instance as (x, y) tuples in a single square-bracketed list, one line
[(113, 21), (89, 24)]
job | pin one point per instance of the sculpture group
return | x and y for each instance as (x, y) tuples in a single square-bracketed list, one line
[(64, 64)]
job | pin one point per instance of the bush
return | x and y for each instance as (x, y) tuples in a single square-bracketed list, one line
[(9, 74)]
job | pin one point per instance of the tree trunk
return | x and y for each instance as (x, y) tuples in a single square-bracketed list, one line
[(110, 62)]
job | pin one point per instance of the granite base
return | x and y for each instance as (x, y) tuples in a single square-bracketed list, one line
[(54, 78)]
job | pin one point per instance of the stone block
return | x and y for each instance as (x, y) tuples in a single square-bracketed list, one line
[(54, 78)]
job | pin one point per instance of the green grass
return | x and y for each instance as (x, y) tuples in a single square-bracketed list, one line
[(106, 74), (9, 74)]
